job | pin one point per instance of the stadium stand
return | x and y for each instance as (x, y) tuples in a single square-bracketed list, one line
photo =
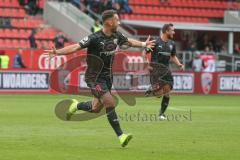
[(21, 24), (16, 26), (197, 11)]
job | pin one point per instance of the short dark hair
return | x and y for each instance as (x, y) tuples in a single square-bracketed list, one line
[(166, 27), (108, 14)]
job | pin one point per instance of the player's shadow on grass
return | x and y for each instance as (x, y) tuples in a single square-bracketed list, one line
[(61, 111), (62, 107)]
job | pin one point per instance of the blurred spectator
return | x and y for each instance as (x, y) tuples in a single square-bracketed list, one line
[(210, 45), (5, 23), (89, 4), (219, 45), (76, 3), (2, 52), (96, 26), (236, 49), (17, 61), (97, 6), (202, 41), (32, 7), (207, 50), (192, 47), (117, 7), (108, 4), (124, 4), (59, 40), (224, 49), (21, 2), (100, 6), (32, 39), (209, 60), (4, 61), (197, 63), (165, 2)]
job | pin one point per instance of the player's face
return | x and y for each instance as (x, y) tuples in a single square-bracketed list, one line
[(115, 22), (170, 33)]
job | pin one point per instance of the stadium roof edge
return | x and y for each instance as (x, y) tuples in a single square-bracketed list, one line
[(186, 26)]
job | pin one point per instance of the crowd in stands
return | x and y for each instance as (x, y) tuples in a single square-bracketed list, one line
[(17, 60), (60, 40), (96, 26), (5, 22), (31, 6), (204, 48), (236, 49), (214, 43), (98, 6)]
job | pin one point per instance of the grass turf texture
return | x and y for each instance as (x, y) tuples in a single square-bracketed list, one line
[(30, 130)]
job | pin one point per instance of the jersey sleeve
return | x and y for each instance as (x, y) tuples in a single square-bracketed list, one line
[(173, 51), (86, 41), (122, 39)]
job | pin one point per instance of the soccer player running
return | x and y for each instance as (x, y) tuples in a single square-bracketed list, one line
[(101, 47), (161, 78)]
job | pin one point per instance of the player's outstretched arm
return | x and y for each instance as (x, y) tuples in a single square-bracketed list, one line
[(66, 50), (177, 62), (147, 44)]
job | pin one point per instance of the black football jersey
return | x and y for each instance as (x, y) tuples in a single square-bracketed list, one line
[(163, 51), (100, 52)]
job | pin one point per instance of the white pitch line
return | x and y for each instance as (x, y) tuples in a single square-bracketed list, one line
[(179, 109), (202, 108)]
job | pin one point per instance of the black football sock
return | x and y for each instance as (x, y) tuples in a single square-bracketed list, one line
[(113, 120), (85, 106), (164, 104)]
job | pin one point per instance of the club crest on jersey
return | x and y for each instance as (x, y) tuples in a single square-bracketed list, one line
[(115, 41), (84, 40), (171, 47), (206, 81), (160, 46)]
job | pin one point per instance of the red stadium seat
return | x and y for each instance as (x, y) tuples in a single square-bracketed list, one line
[(8, 43), (39, 44), (41, 4), (15, 4), (2, 44), (15, 33), (2, 33), (8, 3), (21, 13), (1, 12), (175, 11), (24, 43), (8, 33), (15, 43), (51, 35), (23, 33), (15, 13), (21, 26), (180, 8), (141, 1), (7, 12)]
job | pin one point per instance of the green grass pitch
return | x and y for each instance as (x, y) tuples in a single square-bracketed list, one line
[(29, 130)]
